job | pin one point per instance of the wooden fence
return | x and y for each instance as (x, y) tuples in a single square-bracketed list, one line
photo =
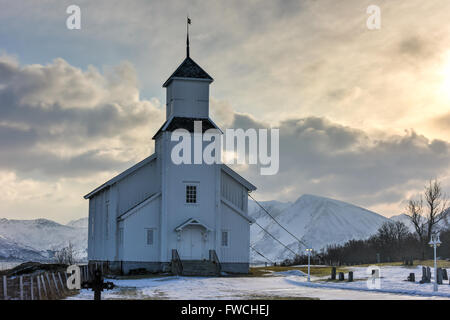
[(39, 286)]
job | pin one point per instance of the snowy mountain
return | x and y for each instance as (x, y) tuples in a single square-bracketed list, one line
[(10, 250), (317, 221), (42, 236), (79, 223)]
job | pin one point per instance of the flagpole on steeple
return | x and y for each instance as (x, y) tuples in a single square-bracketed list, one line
[(187, 36)]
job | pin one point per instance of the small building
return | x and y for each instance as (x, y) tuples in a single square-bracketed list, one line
[(160, 216)]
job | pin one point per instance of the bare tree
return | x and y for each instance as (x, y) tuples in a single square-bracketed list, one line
[(437, 205), (65, 255), (414, 210), (426, 217)]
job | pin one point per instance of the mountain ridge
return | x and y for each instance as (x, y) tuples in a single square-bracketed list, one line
[(318, 221)]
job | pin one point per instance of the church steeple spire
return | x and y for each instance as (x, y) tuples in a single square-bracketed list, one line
[(187, 36)]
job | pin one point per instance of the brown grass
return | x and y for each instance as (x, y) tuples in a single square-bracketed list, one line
[(314, 271), (429, 263)]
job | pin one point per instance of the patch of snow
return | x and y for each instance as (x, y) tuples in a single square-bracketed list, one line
[(280, 286)]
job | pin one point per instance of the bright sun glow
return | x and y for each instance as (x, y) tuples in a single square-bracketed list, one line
[(445, 71)]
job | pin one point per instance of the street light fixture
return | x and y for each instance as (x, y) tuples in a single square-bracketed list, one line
[(309, 251), (434, 243)]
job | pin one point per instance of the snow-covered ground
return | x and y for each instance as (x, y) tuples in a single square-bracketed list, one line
[(393, 280), (291, 284)]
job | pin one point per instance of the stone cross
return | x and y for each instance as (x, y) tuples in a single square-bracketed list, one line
[(97, 285)]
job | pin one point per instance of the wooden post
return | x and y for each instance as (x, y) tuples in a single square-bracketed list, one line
[(5, 288), (44, 286), (21, 287), (39, 287), (65, 275), (60, 281), (56, 284), (50, 289), (31, 288)]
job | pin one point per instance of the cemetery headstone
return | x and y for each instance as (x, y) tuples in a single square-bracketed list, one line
[(428, 274), (425, 275), (439, 276), (412, 277), (341, 276), (444, 274), (333, 273), (350, 276)]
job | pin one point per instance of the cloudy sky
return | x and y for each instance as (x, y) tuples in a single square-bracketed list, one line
[(364, 115)]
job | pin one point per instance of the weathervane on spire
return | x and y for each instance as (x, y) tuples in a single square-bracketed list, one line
[(187, 38)]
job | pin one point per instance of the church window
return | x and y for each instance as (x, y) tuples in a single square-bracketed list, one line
[(191, 194), (150, 235), (224, 238)]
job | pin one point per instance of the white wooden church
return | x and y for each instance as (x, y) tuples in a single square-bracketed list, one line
[(160, 216)]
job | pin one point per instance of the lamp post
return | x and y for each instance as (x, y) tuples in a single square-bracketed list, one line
[(308, 251), (434, 243)]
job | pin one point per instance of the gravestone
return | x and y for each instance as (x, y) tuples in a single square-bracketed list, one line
[(444, 274), (428, 274), (350, 276), (412, 277), (341, 276), (425, 275), (439, 276), (333, 273)]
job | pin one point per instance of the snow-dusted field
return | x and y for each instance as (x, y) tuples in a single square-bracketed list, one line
[(392, 281), (286, 285)]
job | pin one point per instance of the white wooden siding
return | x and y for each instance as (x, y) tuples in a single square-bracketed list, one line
[(238, 237), (135, 247), (233, 191), (137, 186)]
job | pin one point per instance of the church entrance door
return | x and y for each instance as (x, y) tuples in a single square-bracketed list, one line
[(192, 243)]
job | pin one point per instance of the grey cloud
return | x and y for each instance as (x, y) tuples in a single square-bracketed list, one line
[(322, 157), (46, 109), (412, 46)]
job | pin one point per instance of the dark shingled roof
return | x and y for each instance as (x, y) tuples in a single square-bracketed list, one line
[(186, 123), (189, 69)]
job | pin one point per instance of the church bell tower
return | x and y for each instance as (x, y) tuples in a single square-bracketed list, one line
[(187, 89)]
